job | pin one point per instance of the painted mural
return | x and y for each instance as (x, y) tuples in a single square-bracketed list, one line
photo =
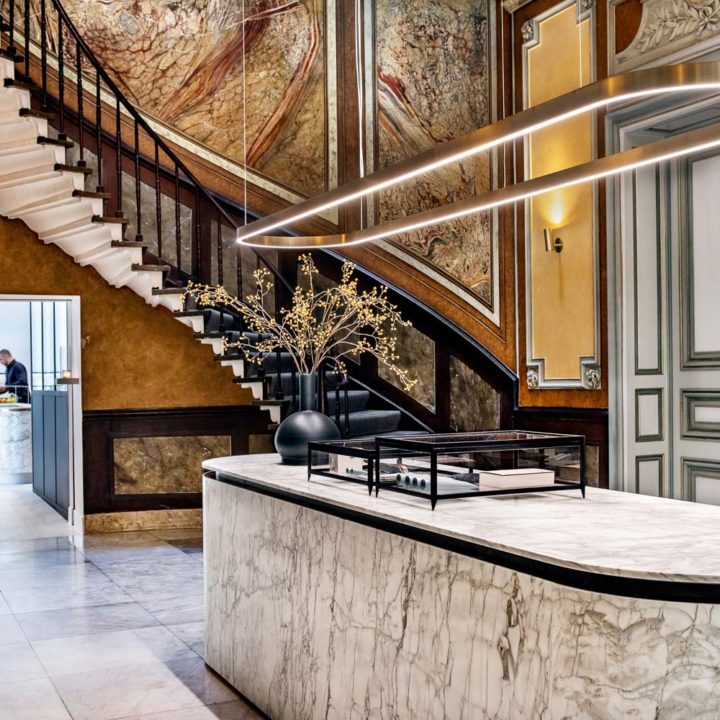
[(182, 62), (433, 84)]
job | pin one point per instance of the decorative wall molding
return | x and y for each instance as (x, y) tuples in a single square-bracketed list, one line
[(671, 31), (649, 415), (513, 6), (700, 414), (592, 377), (648, 461), (692, 471), (698, 325), (533, 379), (529, 32), (589, 375)]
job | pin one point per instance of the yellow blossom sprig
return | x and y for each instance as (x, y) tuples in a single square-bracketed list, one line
[(319, 326)]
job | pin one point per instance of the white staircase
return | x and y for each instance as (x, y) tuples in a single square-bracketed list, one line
[(37, 187)]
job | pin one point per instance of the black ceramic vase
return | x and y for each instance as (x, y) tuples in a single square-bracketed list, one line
[(306, 425)]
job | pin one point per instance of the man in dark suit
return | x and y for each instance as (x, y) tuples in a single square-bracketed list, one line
[(16, 379)]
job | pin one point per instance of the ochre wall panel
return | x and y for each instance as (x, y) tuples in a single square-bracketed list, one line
[(562, 284), (135, 356)]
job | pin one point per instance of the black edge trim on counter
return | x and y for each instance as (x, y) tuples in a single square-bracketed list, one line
[(664, 590)]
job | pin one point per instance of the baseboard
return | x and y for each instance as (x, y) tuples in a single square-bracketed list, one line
[(142, 520)]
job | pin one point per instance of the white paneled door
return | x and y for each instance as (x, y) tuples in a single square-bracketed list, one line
[(669, 359)]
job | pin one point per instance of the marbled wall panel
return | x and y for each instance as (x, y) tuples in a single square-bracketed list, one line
[(474, 405), (312, 617), (416, 355), (433, 84), (183, 64), (157, 465)]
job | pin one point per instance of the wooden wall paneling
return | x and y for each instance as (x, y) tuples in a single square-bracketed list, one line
[(101, 427)]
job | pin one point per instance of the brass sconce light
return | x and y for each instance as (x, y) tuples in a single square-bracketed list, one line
[(551, 245)]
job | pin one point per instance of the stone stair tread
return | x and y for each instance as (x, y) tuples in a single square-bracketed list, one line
[(168, 291), (30, 112), (62, 167), (139, 267), (59, 142), (128, 244), (21, 85), (110, 219), (92, 194)]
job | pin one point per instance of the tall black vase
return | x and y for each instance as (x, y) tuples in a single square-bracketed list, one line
[(306, 425)]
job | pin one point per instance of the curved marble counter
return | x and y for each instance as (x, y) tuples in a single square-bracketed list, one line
[(621, 535), (15, 438), (323, 602)]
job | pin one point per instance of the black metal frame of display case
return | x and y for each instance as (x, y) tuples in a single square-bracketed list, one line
[(472, 442), (343, 447)]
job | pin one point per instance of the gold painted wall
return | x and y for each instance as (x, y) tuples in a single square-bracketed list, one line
[(135, 356), (561, 285)]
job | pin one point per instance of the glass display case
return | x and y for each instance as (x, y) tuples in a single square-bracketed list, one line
[(352, 460), (456, 465), (501, 462)]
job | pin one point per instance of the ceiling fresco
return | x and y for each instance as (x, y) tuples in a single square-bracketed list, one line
[(182, 63), (432, 83)]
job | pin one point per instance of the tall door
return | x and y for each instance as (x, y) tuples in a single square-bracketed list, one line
[(671, 330)]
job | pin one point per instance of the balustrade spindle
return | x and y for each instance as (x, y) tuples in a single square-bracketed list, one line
[(80, 109), (11, 19), (346, 428), (220, 250), (61, 77), (278, 368), (198, 235), (138, 189), (337, 401), (26, 32), (43, 52), (118, 159), (98, 134), (158, 202), (178, 239)]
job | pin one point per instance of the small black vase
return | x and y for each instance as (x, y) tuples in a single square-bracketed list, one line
[(306, 425)]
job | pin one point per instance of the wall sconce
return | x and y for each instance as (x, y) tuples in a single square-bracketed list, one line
[(550, 244)]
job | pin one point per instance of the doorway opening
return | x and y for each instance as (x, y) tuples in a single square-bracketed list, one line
[(40, 402)]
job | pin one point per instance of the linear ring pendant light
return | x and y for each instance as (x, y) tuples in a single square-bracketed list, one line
[(683, 78)]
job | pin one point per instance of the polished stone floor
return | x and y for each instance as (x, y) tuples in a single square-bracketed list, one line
[(103, 627)]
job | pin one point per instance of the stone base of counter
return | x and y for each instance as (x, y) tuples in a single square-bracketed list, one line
[(313, 616)]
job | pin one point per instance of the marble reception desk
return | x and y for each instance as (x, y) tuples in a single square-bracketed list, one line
[(324, 602), (15, 438)]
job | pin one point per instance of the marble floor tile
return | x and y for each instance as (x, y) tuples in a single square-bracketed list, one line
[(192, 634), (203, 682), (72, 622), (19, 662), (163, 644), (39, 576), (175, 610), (138, 689), (94, 591), (10, 631), (86, 653), (31, 700), (37, 545), (237, 710), (4, 607)]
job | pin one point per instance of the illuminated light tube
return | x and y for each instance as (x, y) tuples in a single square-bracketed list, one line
[(685, 144), (688, 77)]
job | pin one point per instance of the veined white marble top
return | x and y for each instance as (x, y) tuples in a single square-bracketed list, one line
[(608, 532)]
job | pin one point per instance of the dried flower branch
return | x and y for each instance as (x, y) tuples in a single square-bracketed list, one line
[(320, 325)]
